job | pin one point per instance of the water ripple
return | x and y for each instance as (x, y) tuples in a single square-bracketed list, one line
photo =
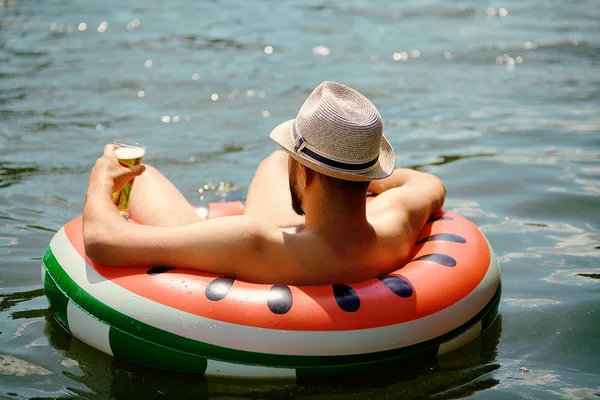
[(530, 303), (517, 225), (11, 173), (195, 42), (579, 245), (576, 277)]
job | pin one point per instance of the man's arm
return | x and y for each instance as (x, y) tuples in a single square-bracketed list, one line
[(401, 176), (208, 246), (238, 246), (406, 199)]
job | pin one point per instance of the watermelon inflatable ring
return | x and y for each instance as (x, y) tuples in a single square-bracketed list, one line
[(190, 321)]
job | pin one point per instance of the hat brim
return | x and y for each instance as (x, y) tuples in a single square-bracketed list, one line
[(384, 167)]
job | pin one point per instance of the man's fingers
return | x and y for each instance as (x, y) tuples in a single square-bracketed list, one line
[(138, 169), (132, 172), (109, 149)]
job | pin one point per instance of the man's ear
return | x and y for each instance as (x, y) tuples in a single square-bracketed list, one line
[(309, 176)]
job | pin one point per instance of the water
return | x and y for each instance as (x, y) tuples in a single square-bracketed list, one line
[(501, 100)]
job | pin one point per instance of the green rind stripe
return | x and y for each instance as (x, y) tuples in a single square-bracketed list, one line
[(57, 299), (131, 348), (490, 316), (372, 366), (163, 339)]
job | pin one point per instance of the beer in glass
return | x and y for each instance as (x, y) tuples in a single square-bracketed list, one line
[(129, 154)]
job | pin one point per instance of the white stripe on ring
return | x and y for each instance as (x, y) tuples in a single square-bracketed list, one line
[(462, 339), (88, 329), (43, 275), (231, 370)]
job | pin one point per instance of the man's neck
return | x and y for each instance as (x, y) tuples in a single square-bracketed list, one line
[(330, 215)]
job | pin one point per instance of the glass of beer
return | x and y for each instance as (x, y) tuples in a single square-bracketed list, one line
[(129, 154)]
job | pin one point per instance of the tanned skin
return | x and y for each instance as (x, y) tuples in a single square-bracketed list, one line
[(340, 238)]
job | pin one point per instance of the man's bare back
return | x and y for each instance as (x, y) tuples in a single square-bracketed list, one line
[(346, 254)]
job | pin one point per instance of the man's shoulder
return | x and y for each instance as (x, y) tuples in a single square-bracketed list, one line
[(389, 202)]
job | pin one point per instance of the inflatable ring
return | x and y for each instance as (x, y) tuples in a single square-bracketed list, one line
[(190, 321)]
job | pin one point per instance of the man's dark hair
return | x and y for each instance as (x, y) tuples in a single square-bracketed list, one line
[(334, 185)]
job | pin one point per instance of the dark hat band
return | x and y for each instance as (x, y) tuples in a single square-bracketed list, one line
[(300, 147)]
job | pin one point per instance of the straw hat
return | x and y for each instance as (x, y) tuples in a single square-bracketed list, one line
[(338, 132)]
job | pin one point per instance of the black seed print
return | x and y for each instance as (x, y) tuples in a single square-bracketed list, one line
[(446, 237), (400, 286), (218, 288), (280, 299), (439, 218), (158, 270), (438, 258), (346, 298)]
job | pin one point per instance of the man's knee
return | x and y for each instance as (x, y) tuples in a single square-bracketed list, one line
[(150, 169), (150, 174), (277, 159), (274, 165)]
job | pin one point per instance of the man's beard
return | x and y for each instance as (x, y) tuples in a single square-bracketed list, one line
[(296, 200)]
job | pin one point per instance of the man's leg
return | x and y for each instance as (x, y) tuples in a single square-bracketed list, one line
[(156, 201), (269, 193)]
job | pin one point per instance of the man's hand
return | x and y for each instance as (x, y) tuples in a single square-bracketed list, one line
[(109, 174), (100, 217)]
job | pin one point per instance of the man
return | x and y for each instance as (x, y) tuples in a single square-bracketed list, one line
[(334, 152)]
